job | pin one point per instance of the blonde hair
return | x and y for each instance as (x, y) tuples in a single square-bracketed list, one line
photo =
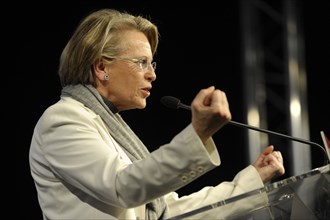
[(97, 36)]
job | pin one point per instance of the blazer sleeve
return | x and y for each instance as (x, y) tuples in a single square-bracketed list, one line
[(246, 180), (167, 169)]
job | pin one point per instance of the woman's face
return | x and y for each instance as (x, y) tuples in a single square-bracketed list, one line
[(130, 81)]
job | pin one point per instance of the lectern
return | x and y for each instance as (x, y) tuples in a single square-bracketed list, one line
[(305, 196)]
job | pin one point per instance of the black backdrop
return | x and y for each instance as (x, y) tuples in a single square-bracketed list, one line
[(200, 45)]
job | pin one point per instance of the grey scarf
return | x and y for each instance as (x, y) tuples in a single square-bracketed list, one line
[(120, 131)]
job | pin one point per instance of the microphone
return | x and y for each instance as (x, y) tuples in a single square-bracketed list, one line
[(175, 103)]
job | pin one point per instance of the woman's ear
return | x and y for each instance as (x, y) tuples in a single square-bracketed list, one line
[(100, 71)]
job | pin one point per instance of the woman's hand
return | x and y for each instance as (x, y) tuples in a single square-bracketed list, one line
[(269, 164), (210, 112)]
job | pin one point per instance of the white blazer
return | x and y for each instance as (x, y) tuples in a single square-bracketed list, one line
[(81, 172)]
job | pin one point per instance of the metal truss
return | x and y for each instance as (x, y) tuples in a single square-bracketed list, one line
[(274, 79)]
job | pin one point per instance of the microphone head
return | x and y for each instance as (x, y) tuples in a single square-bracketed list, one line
[(170, 102)]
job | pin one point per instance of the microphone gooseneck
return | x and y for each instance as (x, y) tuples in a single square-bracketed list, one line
[(175, 103)]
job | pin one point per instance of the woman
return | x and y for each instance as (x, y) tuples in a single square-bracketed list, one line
[(88, 164)]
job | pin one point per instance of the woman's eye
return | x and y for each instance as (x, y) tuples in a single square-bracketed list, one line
[(144, 62)]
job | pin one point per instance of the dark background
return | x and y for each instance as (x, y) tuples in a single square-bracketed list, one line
[(200, 45)]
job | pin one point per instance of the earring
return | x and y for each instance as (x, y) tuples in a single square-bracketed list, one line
[(106, 77)]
